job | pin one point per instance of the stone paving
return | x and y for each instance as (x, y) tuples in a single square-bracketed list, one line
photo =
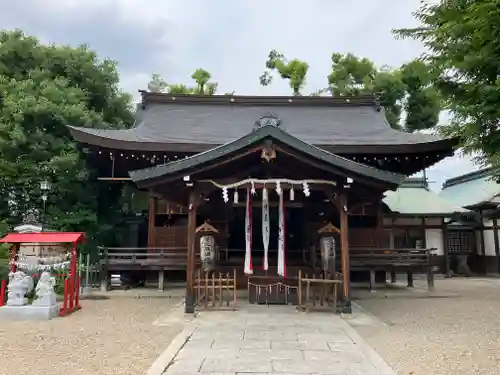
[(275, 340)]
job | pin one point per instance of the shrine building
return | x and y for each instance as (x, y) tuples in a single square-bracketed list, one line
[(270, 177)]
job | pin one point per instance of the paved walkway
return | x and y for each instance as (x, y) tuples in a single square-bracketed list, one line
[(273, 340)]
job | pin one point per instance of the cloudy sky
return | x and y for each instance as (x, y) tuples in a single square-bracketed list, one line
[(229, 38)]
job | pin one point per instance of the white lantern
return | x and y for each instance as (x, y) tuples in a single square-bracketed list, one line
[(327, 248), (207, 252), (207, 246)]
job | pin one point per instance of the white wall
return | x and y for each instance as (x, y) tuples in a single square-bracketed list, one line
[(489, 239), (434, 238)]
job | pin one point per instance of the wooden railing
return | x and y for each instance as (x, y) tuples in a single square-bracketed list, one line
[(215, 290), (167, 258), (392, 260), (371, 257), (323, 291)]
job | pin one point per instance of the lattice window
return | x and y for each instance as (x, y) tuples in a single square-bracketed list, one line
[(460, 242)]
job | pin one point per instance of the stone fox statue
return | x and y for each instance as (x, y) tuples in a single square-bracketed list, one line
[(19, 285)]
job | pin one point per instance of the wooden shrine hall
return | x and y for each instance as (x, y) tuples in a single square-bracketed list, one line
[(270, 187)]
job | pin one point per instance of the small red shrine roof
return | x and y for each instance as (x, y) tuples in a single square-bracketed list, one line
[(44, 237)]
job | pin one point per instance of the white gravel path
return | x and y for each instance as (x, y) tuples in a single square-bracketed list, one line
[(455, 333), (112, 336)]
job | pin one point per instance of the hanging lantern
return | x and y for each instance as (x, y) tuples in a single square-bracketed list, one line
[(292, 194), (235, 198), (327, 247), (207, 246)]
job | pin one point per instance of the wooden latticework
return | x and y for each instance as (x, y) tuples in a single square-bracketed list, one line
[(323, 291), (215, 290)]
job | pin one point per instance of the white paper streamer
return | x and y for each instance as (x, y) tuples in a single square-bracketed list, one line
[(265, 226), (281, 239), (41, 267), (248, 235)]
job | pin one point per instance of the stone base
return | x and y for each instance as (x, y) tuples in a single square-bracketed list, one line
[(29, 312)]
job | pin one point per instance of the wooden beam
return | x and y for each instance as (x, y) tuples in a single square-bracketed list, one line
[(191, 248), (114, 179)]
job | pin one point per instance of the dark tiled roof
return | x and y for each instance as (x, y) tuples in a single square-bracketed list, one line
[(253, 137), (216, 120)]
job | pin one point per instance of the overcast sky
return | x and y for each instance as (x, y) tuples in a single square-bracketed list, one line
[(229, 38)]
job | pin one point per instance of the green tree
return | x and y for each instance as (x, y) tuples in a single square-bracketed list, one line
[(200, 76), (353, 76), (43, 89), (463, 43), (4, 252), (294, 71), (407, 88), (422, 104)]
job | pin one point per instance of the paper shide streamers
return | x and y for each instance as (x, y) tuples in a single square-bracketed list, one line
[(277, 182)]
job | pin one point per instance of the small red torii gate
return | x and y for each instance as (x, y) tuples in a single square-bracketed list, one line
[(72, 285)]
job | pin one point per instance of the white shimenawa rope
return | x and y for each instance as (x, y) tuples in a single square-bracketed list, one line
[(278, 181)]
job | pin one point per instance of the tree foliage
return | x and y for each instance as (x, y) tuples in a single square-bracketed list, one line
[(43, 89), (201, 77), (294, 71), (407, 88), (463, 42)]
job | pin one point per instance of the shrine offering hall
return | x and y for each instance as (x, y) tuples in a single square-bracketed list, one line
[(250, 192)]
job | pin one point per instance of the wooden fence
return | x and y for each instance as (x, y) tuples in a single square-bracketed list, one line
[(215, 290), (321, 291)]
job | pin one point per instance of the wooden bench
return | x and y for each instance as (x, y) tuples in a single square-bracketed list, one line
[(392, 260)]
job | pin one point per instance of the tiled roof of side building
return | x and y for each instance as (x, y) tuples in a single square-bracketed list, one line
[(414, 197), (472, 189)]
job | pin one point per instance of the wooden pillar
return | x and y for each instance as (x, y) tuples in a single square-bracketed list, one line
[(344, 243), (447, 268), (483, 247), (380, 225), (497, 244), (14, 256), (151, 221), (191, 255), (422, 230), (161, 280)]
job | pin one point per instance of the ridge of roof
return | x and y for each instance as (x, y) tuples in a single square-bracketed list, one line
[(258, 135), (471, 176), (308, 101), (415, 182)]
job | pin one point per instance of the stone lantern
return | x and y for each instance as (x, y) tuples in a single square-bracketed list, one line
[(327, 247), (207, 246)]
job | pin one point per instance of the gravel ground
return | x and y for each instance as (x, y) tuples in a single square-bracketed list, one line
[(110, 336), (455, 333)]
